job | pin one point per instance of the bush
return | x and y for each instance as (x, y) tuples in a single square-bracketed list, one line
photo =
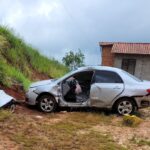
[(131, 120)]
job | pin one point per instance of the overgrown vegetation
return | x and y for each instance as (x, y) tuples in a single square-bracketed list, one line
[(19, 61), (131, 120)]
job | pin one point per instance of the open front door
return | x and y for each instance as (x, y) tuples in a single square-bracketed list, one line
[(69, 94), (106, 86)]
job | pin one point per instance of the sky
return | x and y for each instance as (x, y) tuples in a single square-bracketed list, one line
[(55, 27)]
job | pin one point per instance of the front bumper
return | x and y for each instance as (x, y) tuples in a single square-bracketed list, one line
[(31, 97)]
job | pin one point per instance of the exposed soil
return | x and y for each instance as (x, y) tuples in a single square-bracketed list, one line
[(15, 91), (123, 135), (7, 144), (37, 75)]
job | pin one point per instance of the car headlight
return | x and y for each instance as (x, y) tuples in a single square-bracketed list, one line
[(34, 90), (31, 90)]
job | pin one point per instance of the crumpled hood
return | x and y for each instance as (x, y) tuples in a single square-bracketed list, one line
[(40, 83), (4, 98)]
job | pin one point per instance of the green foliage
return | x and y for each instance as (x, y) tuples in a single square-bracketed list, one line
[(51, 67), (10, 75), (74, 60), (18, 61), (131, 121)]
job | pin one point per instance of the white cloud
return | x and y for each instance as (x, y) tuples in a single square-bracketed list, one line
[(56, 26), (45, 8)]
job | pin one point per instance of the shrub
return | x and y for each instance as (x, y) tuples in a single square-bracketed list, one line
[(131, 120)]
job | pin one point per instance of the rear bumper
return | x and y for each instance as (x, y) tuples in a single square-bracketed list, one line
[(143, 101)]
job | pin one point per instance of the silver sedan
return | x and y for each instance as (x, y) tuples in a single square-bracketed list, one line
[(96, 86)]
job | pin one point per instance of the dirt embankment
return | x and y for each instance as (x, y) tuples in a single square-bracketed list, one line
[(17, 91)]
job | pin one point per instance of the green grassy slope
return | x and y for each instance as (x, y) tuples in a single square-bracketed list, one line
[(19, 61)]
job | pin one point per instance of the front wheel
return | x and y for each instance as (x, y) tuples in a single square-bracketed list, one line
[(125, 106), (47, 103)]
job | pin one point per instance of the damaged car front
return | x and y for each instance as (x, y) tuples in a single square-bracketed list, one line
[(7, 101), (35, 89)]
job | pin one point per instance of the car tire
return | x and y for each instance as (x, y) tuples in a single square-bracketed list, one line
[(47, 103), (125, 106), (12, 108)]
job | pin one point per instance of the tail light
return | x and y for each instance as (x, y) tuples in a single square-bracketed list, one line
[(148, 90)]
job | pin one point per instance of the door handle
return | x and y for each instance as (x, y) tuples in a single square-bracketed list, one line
[(116, 87)]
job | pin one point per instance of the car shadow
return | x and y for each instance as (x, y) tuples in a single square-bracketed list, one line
[(93, 110), (89, 110)]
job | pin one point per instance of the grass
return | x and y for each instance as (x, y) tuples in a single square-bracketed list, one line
[(90, 118), (144, 142), (141, 142), (18, 61), (10, 75), (28, 132), (131, 120)]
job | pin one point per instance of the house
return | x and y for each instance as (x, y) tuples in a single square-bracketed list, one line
[(132, 57)]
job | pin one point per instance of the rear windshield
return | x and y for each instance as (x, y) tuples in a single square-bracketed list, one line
[(132, 76)]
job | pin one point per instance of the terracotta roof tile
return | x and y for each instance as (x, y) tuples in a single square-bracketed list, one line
[(128, 48)]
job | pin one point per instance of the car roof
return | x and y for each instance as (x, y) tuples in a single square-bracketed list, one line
[(90, 68), (98, 68)]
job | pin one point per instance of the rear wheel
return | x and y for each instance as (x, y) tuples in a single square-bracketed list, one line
[(47, 103), (125, 106)]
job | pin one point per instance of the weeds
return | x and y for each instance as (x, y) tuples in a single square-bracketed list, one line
[(18, 61), (144, 142), (140, 142), (131, 121), (90, 118)]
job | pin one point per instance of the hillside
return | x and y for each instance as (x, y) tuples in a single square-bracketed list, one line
[(21, 64)]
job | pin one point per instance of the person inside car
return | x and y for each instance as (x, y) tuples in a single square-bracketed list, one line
[(74, 90)]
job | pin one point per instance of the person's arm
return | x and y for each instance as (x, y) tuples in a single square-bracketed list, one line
[(78, 89)]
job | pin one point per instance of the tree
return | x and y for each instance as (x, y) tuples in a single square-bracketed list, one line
[(74, 60)]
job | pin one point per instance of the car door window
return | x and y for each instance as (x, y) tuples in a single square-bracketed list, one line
[(107, 77)]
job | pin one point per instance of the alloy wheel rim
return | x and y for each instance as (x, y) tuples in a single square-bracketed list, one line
[(47, 104), (125, 107)]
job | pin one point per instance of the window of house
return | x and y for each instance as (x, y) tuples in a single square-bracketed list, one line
[(102, 76), (129, 65)]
